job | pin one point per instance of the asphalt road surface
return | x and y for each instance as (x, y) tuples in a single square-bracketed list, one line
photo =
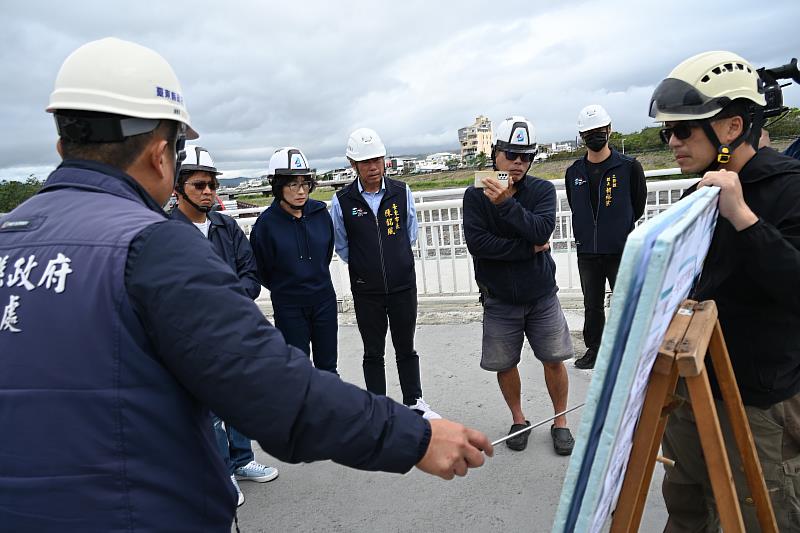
[(514, 491)]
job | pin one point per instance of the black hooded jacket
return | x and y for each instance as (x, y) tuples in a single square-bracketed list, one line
[(754, 277)]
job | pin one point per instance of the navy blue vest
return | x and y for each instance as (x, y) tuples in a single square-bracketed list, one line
[(607, 233), (98, 434), (381, 260)]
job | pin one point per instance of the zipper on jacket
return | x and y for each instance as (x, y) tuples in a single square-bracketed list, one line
[(597, 213)]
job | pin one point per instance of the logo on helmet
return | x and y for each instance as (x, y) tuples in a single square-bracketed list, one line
[(169, 95), (297, 161), (366, 139), (521, 137)]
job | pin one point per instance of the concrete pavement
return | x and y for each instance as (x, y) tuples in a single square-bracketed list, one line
[(514, 491)]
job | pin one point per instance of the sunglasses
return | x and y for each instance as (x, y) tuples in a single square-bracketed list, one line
[(512, 156), (201, 185), (681, 130)]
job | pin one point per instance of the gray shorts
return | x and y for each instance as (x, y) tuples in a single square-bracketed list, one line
[(505, 325)]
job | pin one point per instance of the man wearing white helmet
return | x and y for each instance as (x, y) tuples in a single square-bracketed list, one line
[(293, 243), (375, 226), (607, 193), (507, 229), (120, 328), (195, 189), (712, 108)]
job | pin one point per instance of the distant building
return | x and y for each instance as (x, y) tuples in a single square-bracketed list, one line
[(476, 138), (394, 166), (564, 146)]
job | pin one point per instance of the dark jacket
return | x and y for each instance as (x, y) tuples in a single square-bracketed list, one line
[(602, 226), (754, 277), (231, 244), (501, 240), (294, 254), (109, 379), (381, 260)]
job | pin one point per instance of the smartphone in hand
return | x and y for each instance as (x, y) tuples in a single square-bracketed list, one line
[(499, 175)]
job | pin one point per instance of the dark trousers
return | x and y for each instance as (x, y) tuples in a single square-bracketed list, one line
[(400, 310), (313, 329), (594, 270), (687, 488)]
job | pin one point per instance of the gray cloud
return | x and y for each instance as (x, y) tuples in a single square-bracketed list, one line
[(259, 75)]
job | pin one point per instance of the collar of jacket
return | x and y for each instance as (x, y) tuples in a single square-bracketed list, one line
[(95, 176), (214, 217), (311, 206), (355, 189)]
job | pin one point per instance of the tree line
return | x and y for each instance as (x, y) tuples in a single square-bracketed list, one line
[(13, 193)]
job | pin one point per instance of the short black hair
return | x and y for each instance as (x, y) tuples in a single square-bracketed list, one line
[(116, 154), (741, 107)]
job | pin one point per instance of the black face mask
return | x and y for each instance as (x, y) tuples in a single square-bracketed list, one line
[(596, 140)]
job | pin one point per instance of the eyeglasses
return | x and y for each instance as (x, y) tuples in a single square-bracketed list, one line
[(681, 130), (201, 185), (295, 185), (512, 156)]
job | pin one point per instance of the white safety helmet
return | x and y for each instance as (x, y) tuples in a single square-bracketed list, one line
[(288, 161), (592, 117), (198, 159), (120, 78), (515, 134), (364, 144), (702, 85)]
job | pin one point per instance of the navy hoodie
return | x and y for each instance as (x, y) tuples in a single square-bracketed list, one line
[(294, 254)]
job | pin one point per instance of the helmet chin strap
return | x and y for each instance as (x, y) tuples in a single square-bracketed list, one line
[(494, 165), (185, 196), (725, 151)]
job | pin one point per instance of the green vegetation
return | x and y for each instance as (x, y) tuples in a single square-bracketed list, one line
[(13, 193)]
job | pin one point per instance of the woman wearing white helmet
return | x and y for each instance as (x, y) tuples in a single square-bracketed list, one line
[(293, 244)]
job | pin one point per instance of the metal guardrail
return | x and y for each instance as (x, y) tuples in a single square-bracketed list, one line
[(444, 266)]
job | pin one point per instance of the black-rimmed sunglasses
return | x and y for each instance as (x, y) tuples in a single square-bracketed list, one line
[(681, 130), (201, 185), (512, 156)]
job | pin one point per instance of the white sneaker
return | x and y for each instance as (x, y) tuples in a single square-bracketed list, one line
[(257, 472), (425, 410), (239, 492)]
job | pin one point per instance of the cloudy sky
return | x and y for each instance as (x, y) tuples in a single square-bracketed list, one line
[(260, 75)]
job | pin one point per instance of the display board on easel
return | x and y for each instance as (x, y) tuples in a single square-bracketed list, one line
[(661, 260), (693, 332)]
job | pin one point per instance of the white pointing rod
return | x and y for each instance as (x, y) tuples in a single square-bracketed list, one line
[(537, 424)]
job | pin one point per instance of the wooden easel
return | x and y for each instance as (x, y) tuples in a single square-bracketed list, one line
[(693, 331)]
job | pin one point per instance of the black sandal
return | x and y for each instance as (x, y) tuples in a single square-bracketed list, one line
[(520, 442), (562, 440)]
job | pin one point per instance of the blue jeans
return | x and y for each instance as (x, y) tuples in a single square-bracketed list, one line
[(313, 329), (233, 446)]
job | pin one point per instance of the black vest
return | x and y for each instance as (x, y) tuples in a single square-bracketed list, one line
[(606, 232), (381, 260)]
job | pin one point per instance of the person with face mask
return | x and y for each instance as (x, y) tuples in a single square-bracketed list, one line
[(293, 244), (607, 193)]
